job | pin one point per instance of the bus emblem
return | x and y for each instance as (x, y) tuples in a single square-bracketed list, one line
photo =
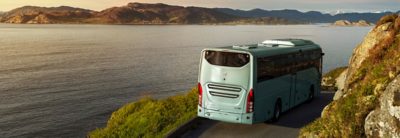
[(224, 75)]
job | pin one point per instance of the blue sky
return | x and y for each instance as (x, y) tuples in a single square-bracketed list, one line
[(303, 5)]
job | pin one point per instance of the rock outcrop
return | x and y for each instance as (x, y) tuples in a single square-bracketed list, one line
[(40, 19), (340, 81), (348, 23), (376, 36), (385, 120)]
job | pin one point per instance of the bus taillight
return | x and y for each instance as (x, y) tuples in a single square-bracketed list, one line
[(250, 102), (200, 93)]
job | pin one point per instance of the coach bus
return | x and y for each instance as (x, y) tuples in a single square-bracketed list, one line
[(255, 83)]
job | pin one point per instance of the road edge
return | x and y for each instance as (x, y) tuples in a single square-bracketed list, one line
[(184, 128)]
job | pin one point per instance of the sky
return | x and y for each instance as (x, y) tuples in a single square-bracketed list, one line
[(327, 6)]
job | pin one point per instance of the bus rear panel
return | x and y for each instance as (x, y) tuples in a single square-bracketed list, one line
[(225, 82)]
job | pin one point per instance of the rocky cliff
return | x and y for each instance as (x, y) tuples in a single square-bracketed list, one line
[(369, 105), (132, 13)]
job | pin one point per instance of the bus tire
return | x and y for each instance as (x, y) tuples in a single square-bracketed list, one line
[(311, 94), (277, 111)]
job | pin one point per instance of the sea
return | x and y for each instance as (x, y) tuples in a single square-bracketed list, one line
[(66, 80)]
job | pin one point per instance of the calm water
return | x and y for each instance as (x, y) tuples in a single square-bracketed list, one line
[(65, 80)]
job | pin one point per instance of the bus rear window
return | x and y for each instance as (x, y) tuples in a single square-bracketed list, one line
[(228, 59)]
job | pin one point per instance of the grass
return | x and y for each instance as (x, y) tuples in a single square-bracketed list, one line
[(330, 78), (345, 117), (335, 72), (149, 117)]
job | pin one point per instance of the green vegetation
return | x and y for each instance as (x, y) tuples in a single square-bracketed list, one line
[(150, 118), (329, 79), (335, 72), (345, 117)]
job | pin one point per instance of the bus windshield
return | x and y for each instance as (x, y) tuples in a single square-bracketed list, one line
[(228, 59)]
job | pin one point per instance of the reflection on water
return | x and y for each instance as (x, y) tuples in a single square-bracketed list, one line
[(65, 80)]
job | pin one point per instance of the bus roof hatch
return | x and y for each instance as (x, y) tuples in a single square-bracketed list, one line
[(244, 46), (285, 43)]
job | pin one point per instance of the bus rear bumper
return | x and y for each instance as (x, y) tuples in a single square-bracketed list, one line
[(242, 118)]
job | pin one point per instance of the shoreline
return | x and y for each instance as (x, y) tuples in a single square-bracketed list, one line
[(155, 24)]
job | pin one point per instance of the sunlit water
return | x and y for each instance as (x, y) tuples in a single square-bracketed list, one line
[(65, 80)]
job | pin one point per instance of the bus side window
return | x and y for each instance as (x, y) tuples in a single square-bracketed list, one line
[(319, 60), (290, 64), (315, 57), (284, 65), (299, 61), (265, 69)]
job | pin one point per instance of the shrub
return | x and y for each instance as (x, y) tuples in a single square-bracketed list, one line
[(335, 72), (150, 118), (330, 79)]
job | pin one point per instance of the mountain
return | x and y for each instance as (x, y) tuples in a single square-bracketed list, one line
[(367, 103), (39, 15), (311, 16), (138, 13), (133, 13), (142, 13)]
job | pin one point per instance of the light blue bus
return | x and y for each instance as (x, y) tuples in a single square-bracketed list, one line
[(254, 83)]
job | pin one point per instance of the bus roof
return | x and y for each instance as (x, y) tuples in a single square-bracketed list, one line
[(273, 47)]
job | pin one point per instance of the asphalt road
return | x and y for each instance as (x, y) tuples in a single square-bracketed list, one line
[(288, 125)]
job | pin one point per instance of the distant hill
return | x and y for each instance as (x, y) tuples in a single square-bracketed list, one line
[(1, 14), (40, 15), (142, 13), (310, 17), (138, 13), (133, 13)]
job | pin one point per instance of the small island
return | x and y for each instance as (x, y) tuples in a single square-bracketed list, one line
[(349, 23)]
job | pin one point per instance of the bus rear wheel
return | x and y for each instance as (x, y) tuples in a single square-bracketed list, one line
[(311, 94), (277, 112)]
